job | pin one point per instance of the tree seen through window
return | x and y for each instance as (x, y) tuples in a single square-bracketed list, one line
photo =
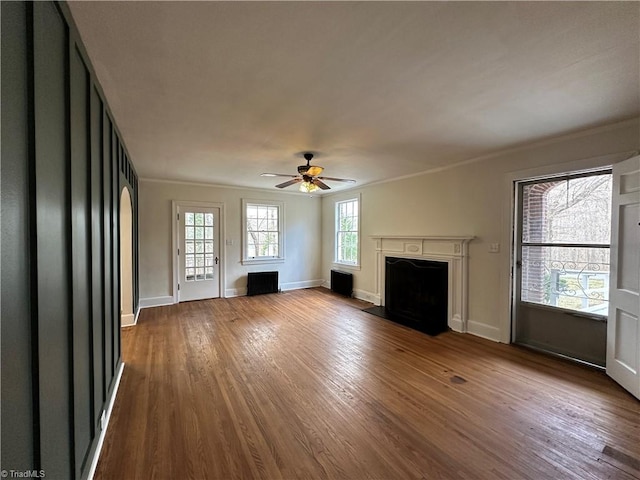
[(347, 232)]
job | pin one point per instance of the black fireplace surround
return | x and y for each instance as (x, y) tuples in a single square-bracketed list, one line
[(416, 294)]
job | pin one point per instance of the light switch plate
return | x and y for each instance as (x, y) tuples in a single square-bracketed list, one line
[(494, 248)]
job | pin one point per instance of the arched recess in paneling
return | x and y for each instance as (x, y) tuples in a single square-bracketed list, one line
[(127, 313)]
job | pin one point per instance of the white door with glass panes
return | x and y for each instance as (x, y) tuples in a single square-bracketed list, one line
[(198, 253)]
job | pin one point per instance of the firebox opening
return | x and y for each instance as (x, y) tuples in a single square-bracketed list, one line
[(416, 294)]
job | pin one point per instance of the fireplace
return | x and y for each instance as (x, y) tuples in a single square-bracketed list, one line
[(416, 293), (452, 251)]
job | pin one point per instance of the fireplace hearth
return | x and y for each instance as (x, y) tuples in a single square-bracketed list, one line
[(416, 294)]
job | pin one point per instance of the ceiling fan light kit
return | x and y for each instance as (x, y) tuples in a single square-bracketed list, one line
[(307, 177), (308, 187)]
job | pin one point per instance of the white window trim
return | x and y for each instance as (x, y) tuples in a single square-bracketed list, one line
[(263, 260), (336, 263)]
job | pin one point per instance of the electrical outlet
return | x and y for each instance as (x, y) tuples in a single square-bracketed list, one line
[(494, 248), (103, 420)]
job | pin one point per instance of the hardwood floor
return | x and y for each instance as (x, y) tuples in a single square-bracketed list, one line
[(305, 385)]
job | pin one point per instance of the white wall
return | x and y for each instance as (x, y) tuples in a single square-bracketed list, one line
[(302, 266), (472, 199)]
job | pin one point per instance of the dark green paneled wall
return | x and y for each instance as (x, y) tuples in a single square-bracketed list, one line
[(17, 389), (97, 253), (63, 168), (52, 234), (81, 258)]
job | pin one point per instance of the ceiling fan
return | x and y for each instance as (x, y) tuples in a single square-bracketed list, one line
[(307, 177)]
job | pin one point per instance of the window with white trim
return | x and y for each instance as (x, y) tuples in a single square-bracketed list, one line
[(347, 232), (262, 231)]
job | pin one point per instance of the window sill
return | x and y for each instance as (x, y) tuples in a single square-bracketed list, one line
[(346, 266), (261, 261)]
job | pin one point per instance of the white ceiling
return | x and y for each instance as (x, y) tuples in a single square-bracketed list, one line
[(219, 92)]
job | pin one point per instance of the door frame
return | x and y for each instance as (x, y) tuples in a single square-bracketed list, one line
[(175, 244), (586, 349), (509, 227)]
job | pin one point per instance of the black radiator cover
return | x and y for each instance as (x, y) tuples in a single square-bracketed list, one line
[(262, 282), (342, 282)]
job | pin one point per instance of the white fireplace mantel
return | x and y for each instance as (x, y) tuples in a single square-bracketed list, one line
[(451, 249)]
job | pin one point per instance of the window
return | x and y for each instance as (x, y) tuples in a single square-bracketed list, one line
[(565, 240), (262, 232), (198, 246), (347, 232)]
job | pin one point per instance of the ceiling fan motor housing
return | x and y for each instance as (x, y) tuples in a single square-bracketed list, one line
[(302, 169), (309, 173)]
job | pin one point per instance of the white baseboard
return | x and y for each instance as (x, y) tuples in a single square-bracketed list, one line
[(298, 285), (156, 301), (235, 292), (103, 433), (128, 320), (483, 330), (455, 324), (359, 294), (367, 296), (284, 287)]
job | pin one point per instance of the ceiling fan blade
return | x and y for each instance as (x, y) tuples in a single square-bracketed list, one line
[(314, 171), (346, 180), (290, 182), (320, 184), (278, 175)]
